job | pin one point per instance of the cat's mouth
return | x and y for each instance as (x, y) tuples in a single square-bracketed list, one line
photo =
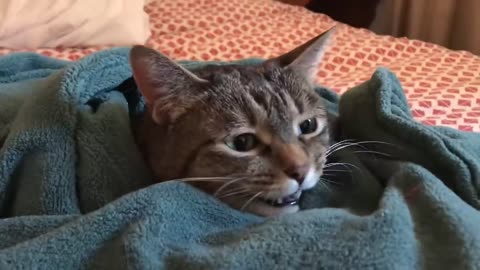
[(290, 200)]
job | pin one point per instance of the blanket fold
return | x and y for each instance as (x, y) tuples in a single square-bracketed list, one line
[(75, 193)]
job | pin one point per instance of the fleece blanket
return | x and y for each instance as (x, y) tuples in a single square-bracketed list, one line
[(74, 193)]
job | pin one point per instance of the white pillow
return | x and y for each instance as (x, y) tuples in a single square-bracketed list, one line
[(27, 24)]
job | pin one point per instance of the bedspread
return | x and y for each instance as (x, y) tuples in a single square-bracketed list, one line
[(71, 196), (442, 86)]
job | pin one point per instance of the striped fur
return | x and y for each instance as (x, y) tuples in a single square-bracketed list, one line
[(191, 115)]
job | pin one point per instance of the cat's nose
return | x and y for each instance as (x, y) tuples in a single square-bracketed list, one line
[(297, 172)]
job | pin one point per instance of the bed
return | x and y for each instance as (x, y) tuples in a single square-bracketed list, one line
[(442, 86)]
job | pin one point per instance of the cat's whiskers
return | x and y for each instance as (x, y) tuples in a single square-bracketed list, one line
[(340, 144), (251, 200), (326, 174), (323, 183), (333, 146), (332, 170), (331, 164), (349, 143), (347, 166), (363, 142), (326, 171), (252, 178), (330, 181), (199, 179), (344, 164), (222, 187), (340, 147), (374, 152), (236, 192)]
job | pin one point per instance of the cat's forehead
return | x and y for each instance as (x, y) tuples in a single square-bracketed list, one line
[(259, 95), (251, 74), (271, 82)]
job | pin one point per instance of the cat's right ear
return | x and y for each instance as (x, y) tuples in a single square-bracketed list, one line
[(305, 59), (168, 88)]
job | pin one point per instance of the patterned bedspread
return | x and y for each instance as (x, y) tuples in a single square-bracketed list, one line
[(442, 86)]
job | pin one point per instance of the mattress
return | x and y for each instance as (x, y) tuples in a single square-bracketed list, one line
[(442, 86)]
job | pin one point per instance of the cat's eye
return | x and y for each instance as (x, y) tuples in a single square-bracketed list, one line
[(308, 126), (243, 142)]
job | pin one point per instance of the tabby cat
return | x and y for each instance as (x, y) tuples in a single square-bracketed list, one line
[(255, 136)]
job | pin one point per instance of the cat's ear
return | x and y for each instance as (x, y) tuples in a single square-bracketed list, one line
[(169, 89), (306, 58)]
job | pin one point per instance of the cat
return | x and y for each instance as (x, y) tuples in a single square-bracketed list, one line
[(255, 136)]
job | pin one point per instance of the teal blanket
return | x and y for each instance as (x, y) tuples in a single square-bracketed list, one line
[(74, 191)]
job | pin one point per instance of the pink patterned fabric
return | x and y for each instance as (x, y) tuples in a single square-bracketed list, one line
[(442, 86)]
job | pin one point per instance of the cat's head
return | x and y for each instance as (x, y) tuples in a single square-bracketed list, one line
[(254, 135)]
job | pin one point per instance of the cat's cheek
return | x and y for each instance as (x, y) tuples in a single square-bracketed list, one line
[(311, 179), (213, 163)]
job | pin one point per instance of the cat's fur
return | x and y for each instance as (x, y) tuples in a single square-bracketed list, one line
[(193, 116)]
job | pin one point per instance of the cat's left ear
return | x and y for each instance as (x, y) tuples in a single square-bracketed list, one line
[(169, 89), (306, 58)]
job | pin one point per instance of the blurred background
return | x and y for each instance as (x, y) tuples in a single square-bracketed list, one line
[(454, 24)]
